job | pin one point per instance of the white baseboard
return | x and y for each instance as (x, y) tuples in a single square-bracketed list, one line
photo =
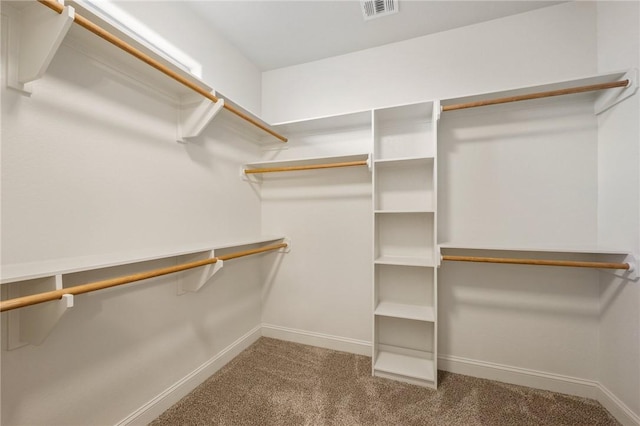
[(617, 408), (174, 393), (470, 367), (541, 380), (327, 341), (519, 376)]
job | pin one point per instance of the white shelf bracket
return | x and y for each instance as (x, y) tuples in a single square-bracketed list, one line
[(32, 325), (193, 280), (251, 178), (437, 110), (438, 256), (286, 249), (632, 272), (612, 97), (33, 40), (194, 119), (370, 162)]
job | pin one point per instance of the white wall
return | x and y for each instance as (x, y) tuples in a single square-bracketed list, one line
[(548, 44), (90, 167), (619, 206), (324, 284), (541, 189), (224, 67)]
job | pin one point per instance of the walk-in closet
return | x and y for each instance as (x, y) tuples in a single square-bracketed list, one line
[(286, 212)]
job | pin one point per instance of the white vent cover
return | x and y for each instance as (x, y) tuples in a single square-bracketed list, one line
[(377, 8)]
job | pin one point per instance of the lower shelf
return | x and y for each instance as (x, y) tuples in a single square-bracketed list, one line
[(402, 310), (409, 367)]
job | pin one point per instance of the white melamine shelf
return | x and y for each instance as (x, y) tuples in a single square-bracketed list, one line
[(403, 162), (48, 268), (401, 310), (404, 365), (405, 261), (115, 59), (576, 250), (330, 123), (404, 211), (307, 161), (586, 81)]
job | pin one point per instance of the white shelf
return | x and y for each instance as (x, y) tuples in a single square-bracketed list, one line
[(331, 123), (146, 77), (403, 162), (405, 261), (405, 365), (307, 161), (403, 211), (587, 96), (401, 310), (33, 270), (489, 247)]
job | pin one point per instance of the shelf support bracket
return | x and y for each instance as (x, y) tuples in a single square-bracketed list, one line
[(286, 249), (632, 272), (32, 325), (612, 97), (193, 119), (193, 280), (33, 40)]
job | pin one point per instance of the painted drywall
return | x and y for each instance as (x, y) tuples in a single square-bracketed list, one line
[(223, 66), (324, 286), (619, 206), (91, 167), (549, 44), (483, 315)]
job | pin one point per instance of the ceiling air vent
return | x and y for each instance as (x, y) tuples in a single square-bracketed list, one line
[(377, 8)]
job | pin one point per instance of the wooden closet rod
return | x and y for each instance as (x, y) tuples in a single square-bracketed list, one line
[(100, 32), (20, 302), (308, 167), (580, 89), (602, 265)]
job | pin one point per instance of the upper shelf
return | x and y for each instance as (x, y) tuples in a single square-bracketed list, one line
[(33, 26), (602, 99), (33, 270), (307, 161), (570, 250)]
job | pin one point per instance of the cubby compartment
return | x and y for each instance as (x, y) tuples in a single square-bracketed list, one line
[(404, 132), (404, 292), (406, 185), (405, 238), (405, 350)]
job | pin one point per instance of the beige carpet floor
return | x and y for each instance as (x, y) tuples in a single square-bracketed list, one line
[(281, 383)]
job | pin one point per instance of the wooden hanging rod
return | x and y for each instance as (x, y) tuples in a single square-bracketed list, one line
[(580, 89), (102, 33), (20, 302), (539, 262), (307, 167)]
